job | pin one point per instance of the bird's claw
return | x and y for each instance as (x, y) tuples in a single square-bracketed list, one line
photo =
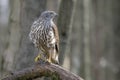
[(37, 58)]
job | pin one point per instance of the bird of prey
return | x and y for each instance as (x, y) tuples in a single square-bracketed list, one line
[(44, 35)]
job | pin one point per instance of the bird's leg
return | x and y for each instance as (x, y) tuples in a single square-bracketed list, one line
[(40, 56)]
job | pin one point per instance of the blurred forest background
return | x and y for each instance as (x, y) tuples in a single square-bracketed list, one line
[(89, 36)]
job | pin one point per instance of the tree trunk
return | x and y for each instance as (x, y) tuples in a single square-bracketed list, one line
[(53, 5), (30, 9), (86, 24), (14, 36), (4, 32), (63, 25), (76, 59), (102, 40), (116, 32)]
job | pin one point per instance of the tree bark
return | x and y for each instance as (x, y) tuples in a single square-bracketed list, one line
[(39, 70), (63, 25), (116, 32), (53, 5), (30, 9), (101, 40), (86, 24), (14, 36), (76, 55)]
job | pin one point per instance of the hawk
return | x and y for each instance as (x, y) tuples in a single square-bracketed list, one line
[(44, 35)]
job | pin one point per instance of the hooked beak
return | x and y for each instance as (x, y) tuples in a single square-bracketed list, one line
[(56, 14)]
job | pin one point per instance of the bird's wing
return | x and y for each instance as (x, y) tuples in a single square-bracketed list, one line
[(55, 30), (33, 32)]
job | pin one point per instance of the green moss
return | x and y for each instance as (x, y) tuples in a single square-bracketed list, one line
[(55, 76)]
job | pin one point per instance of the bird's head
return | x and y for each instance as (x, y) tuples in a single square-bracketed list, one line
[(48, 15)]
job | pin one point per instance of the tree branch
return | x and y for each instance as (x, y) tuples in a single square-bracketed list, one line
[(56, 72)]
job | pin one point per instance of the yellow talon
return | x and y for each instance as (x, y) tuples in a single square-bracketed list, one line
[(38, 58), (49, 60)]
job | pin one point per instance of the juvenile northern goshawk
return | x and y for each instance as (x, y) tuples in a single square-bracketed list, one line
[(44, 35)]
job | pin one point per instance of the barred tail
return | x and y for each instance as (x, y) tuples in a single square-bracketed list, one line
[(55, 55)]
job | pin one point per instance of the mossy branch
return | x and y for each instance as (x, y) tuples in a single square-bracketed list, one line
[(56, 72)]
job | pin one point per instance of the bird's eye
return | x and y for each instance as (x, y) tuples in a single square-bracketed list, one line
[(50, 13), (46, 16)]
